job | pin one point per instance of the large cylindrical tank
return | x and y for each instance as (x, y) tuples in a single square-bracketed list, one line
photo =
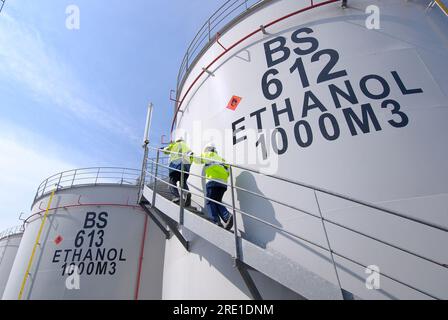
[(348, 100), (9, 244), (96, 243)]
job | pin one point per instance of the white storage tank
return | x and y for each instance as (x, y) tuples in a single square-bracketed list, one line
[(96, 242), (9, 244), (353, 101)]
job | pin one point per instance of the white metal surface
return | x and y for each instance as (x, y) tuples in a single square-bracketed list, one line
[(399, 162), (9, 244), (101, 230)]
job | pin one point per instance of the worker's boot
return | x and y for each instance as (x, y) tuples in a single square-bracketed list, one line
[(188, 200), (229, 223)]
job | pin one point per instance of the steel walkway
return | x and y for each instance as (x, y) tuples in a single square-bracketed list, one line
[(278, 266)]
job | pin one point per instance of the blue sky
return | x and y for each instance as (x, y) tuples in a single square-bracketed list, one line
[(77, 98)]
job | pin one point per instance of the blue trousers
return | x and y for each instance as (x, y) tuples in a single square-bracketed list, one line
[(215, 191), (175, 177)]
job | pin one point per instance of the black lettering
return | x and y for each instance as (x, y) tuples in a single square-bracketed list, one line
[(77, 255), (326, 74), (81, 267), (385, 87), (307, 106), (90, 268), (309, 134), (367, 113), (114, 254), (287, 109), (262, 142), (113, 267), (88, 255), (57, 254), (101, 267), (334, 124), (404, 120), (71, 269), (273, 83), (67, 251), (121, 258), (313, 42), (237, 130), (100, 254), (298, 65), (350, 95), (100, 240), (257, 115), (280, 48), (89, 222), (284, 139), (403, 89), (102, 217)]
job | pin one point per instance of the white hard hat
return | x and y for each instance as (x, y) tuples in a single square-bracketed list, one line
[(180, 137), (209, 147)]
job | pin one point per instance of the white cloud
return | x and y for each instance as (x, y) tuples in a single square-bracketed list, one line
[(28, 60), (25, 161)]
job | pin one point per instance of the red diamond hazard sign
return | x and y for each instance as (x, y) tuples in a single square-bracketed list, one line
[(58, 240), (234, 102)]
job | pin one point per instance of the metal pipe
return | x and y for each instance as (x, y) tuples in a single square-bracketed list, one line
[(145, 147), (181, 195), (97, 174), (328, 243), (154, 190), (73, 181), (235, 225)]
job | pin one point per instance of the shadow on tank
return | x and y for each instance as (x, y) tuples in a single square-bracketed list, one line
[(255, 231)]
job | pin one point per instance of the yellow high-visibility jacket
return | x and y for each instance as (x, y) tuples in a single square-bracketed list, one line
[(179, 152), (215, 168)]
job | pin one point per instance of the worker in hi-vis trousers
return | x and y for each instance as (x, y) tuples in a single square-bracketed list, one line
[(217, 173), (180, 159)]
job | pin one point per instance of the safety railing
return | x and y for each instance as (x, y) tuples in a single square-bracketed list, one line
[(229, 11), (156, 165), (440, 4), (88, 176), (226, 17), (11, 231)]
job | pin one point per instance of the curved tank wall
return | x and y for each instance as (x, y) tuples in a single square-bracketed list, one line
[(9, 246), (100, 230), (332, 103)]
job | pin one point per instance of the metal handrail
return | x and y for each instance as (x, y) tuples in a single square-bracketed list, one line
[(88, 176), (216, 22), (322, 190), (331, 251), (11, 231), (191, 54), (320, 217)]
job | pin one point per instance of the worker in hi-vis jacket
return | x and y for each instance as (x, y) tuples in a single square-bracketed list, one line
[(180, 159), (217, 174)]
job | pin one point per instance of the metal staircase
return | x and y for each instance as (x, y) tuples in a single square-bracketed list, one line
[(281, 267)]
